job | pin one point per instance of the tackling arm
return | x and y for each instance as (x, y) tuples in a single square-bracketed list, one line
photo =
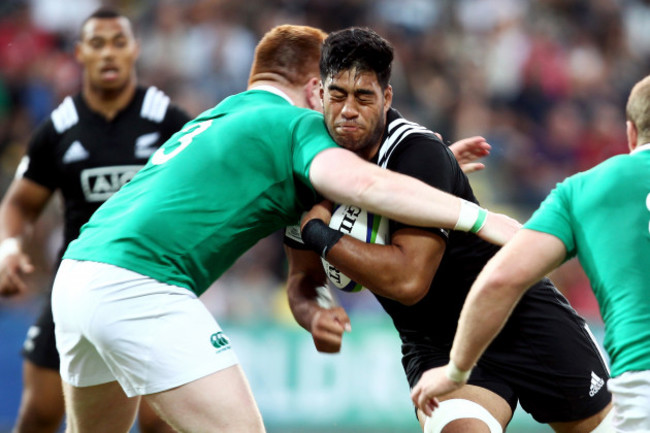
[(527, 258), (343, 177)]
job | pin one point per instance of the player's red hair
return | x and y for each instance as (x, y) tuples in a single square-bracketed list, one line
[(290, 51)]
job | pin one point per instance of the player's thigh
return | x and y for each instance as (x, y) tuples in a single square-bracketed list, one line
[(219, 402), (469, 409), (99, 409)]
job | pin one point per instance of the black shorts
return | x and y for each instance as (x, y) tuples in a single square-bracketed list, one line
[(545, 358), (40, 346)]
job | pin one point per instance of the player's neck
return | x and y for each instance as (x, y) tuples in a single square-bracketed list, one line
[(275, 80), (108, 102)]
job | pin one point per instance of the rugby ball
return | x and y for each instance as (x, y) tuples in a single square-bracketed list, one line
[(362, 225)]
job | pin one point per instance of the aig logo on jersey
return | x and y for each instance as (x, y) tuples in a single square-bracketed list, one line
[(102, 182)]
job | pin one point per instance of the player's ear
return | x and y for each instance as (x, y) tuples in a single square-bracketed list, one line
[(388, 97), (312, 94), (632, 134)]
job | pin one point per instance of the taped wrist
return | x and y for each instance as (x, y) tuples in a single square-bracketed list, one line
[(319, 237), (471, 218), (455, 374)]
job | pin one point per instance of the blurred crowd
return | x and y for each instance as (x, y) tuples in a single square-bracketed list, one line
[(544, 81)]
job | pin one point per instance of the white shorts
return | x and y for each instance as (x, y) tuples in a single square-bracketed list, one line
[(114, 324), (631, 396)]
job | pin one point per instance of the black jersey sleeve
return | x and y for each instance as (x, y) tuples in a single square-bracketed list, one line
[(40, 160), (426, 158)]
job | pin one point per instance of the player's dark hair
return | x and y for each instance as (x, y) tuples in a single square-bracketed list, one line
[(102, 13), (105, 12), (357, 48)]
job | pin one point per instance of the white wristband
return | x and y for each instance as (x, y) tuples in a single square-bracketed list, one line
[(455, 374), (8, 247), (471, 217)]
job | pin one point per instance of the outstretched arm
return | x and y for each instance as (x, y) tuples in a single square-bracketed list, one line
[(343, 177), (528, 257)]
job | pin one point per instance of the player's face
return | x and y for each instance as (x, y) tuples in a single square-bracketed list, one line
[(108, 51), (355, 106)]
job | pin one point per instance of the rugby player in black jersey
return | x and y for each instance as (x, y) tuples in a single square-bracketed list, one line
[(89, 146), (545, 357)]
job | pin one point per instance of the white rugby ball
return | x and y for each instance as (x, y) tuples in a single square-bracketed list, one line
[(362, 225)]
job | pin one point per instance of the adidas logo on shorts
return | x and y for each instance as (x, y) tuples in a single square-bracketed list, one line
[(596, 384)]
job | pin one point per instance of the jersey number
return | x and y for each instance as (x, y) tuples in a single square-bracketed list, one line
[(160, 157)]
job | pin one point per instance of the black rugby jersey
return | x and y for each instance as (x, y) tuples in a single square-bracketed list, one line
[(411, 149), (88, 157)]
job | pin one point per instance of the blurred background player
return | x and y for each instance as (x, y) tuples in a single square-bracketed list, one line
[(423, 276), (89, 146), (576, 220)]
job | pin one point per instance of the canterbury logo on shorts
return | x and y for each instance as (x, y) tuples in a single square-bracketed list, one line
[(220, 341)]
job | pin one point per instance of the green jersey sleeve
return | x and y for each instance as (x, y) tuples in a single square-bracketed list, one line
[(554, 217), (310, 138)]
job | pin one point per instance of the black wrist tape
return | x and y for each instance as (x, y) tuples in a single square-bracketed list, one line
[(319, 237)]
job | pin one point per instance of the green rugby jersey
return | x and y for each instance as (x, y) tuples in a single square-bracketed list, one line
[(235, 174), (603, 216)]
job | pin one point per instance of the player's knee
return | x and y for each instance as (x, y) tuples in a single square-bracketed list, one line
[(458, 409)]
